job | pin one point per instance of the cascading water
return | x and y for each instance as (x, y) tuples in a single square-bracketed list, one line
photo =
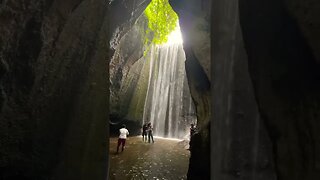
[(168, 104)]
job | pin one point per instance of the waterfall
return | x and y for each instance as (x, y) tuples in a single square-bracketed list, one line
[(168, 105)]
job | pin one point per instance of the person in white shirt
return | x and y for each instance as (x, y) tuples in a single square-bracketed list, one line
[(122, 137)]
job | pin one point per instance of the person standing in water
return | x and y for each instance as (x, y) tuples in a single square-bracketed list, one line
[(122, 137), (150, 133), (144, 132)]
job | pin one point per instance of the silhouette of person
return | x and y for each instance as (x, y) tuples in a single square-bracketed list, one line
[(192, 132), (144, 132), (122, 137), (150, 133)]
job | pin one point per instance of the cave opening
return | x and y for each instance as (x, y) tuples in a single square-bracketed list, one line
[(148, 80), (168, 104), (148, 84)]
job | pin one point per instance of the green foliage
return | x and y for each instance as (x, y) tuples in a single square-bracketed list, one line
[(162, 20)]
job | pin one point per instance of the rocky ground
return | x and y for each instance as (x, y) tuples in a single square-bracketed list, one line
[(163, 159)]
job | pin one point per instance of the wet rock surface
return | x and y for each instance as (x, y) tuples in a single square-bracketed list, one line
[(163, 159), (194, 20)]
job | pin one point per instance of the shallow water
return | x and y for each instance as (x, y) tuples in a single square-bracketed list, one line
[(163, 159)]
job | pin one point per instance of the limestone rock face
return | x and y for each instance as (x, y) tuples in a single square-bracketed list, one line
[(282, 47), (194, 17), (126, 68), (266, 108), (241, 147), (53, 89)]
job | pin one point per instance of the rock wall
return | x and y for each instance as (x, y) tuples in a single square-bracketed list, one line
[(283, 56), (265, 78), (54, 94), (128, 76), (125, 63), (241, 147), (194, 19)]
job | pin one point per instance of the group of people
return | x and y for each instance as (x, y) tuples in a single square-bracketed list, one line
[(147, 133)]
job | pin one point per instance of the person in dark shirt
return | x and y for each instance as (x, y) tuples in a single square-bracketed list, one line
[(192, 130), (144, 132), (150, 133)]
